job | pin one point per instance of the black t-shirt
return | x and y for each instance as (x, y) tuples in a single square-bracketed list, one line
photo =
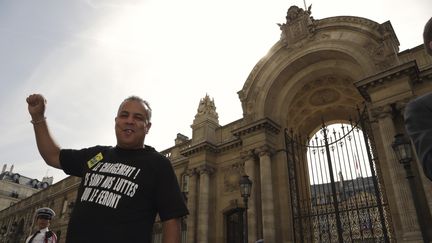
[(120, 193)]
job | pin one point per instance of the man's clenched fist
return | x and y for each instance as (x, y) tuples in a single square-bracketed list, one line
[(36, 106)]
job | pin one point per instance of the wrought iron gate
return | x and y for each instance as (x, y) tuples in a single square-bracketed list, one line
[(335, 185)]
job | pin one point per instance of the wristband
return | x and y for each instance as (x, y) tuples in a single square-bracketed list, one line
[(38, 121)]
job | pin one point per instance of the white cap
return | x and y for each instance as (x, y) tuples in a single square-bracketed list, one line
[(47, 212)]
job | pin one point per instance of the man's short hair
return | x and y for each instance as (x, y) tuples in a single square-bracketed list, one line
[(427, 36), (139, 99)]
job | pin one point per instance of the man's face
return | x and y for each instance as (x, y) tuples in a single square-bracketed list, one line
[(42, 222), (131, 125)]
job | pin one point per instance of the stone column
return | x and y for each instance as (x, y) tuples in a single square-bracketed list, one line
[(191, 204), (249, 166), (402, 195), (203, 203), (267, 202)]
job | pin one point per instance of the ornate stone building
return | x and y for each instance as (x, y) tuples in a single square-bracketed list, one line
[(320, 72), (15, 187), (16, 222)]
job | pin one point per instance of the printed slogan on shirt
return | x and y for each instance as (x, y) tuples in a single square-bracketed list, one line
[(109, 188)]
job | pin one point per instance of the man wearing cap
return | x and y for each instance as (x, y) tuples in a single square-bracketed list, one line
[(43, 234)]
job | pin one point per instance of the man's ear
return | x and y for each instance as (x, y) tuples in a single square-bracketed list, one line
[(148, 126)]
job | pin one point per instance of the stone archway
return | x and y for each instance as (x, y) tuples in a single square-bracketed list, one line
[(310, 75), (343, 49)]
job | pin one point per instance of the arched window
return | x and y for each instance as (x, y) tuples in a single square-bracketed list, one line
[(347, 151)]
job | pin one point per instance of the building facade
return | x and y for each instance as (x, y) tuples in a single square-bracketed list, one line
[(320, 72), (15, 187)]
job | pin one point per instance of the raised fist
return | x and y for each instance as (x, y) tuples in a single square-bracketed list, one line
[(36, 106)]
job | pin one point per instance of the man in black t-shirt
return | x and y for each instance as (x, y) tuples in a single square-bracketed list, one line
[(122, 187)]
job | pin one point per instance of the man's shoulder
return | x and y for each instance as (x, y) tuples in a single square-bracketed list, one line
[(421, 103), (423, 98), (102, 147), (93, 148), (148, 152), (153, 152)]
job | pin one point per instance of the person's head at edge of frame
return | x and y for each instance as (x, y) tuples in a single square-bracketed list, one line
[(427, 36), (132, 122), (43, 217)]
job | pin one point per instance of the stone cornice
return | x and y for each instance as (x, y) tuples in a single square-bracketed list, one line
[(265, 124), (181, 146), (200, 147), (425, 75), (349, 19), (179, 161), (229, 145), (407, 69), (209, 147)]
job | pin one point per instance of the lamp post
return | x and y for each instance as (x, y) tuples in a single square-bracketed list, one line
[(402, 148), (245, 190)]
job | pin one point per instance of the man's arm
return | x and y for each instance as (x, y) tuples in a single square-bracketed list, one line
[(47, 147), (171, 231)]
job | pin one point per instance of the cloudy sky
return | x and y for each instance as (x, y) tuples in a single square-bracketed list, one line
[(85, 56)]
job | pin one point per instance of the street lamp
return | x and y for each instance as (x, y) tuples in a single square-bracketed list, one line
[(402, 148), (245, 190)]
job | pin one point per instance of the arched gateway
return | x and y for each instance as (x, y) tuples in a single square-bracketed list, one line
[(322, 72)]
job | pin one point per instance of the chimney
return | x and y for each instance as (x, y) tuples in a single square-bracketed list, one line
[(4, 168), (11, 169), (49, 180)]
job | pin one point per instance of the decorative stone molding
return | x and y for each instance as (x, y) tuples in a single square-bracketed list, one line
[(350, 19), (229, 145), (206, 111), (385, 52), (181, 139), (204, 146), (381, 56), (264, 150), (209, 147), (299, 26), (401, 104), (231, 177), (247, 155), (205, 169), (243, 94), (381, 112), (324, 96), (265, 124), (191, 172), (409, 69)]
